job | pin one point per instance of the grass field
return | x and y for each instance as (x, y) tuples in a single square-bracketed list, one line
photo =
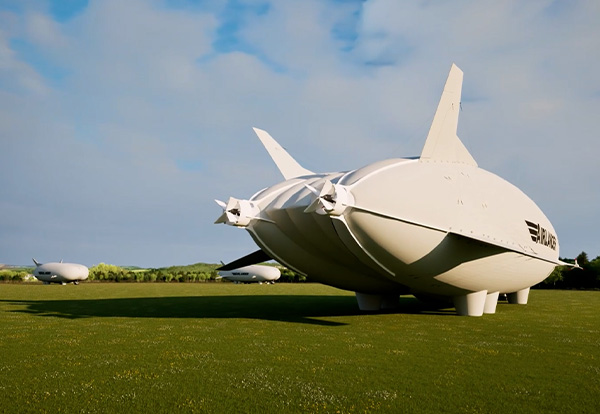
[(224, 348)]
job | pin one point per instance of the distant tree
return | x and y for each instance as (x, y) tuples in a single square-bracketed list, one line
[(108, 272), (586, 277), (213, 275), (289, 276), (554, 280), (595, 268), (582, 259), (13, 275)]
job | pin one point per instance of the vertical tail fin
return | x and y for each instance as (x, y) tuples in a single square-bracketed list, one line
[(287, 165), (442, 143), (36, 262)]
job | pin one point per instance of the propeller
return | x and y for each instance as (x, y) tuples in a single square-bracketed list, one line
[(237, 212), (331, 200)]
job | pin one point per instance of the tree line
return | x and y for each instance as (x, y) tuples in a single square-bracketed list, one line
[(110, 273), (102, 272), (200, 272), (563, 277)]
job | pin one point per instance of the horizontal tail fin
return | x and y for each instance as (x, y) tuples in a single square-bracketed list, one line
[(571, 265), (288, 166), (258, 256)]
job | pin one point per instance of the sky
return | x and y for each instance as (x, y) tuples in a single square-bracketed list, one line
[(122, 121)]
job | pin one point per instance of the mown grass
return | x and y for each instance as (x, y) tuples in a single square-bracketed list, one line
[(224, 348)]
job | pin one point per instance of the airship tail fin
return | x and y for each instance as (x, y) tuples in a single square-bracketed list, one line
[(258, 256), (442, 143), (288, 166), (36, 262)]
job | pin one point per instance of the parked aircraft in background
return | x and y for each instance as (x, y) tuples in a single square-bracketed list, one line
[(251, 274), (62, 273), (436, 226)]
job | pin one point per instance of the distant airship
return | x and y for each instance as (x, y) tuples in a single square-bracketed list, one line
[(251, 274), (436, 226), (62, 273)]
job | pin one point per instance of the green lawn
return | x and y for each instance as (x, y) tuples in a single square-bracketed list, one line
[(225, 348)]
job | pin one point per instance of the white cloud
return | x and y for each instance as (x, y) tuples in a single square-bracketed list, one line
[(44, 31), (299, 39), (16, 75)]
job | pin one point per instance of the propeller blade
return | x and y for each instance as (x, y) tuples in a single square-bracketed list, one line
[(328, 189), (313, 207), (232, 203), (222, 218), (312, 189)]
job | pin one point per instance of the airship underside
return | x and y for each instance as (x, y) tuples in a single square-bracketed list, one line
[(437, 226)]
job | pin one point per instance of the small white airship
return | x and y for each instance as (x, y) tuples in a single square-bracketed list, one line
[(250, 274), (437, 226), (62, 273)]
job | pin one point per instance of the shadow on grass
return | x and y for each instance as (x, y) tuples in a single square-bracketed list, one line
[(284, 308)]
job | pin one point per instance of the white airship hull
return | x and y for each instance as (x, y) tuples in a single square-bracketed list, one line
[(252, 274), (60, 272), (387, 229), (437, 226)]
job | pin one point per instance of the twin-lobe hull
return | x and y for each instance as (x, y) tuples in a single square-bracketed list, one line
[(437, 225), (440, 230), (308, 242)]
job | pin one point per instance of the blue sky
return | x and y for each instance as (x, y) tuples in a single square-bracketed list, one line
[(120, 122)]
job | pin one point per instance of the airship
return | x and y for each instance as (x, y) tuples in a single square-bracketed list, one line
[(60, 272), (251, 274), (436, 226)]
